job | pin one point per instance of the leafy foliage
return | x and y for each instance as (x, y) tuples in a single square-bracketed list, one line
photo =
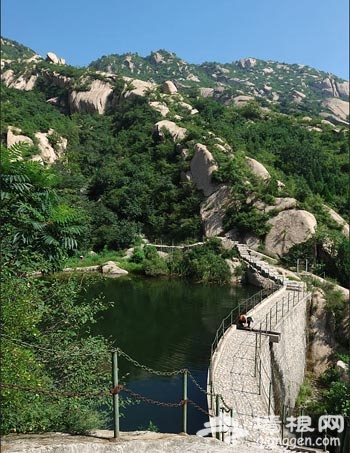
[(33, 217)]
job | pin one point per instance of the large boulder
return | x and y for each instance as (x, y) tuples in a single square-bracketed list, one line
[(289, 228), (136, 87), (338, 219), (202, 168), (177, 133), (53, 58), (169, 87), (49, 154), (161, 107), (14, 136), (111, 269), (258, 169)]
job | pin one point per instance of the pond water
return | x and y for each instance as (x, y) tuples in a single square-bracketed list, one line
[(165, 325)]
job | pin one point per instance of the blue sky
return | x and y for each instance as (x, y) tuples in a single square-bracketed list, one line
[(311, 32)]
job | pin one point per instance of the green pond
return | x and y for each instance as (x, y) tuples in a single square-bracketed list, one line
[(165, 325)]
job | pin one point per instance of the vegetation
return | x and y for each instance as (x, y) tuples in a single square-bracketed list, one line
[(118, 181)]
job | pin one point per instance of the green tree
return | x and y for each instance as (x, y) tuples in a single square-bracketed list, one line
[(33, 216)]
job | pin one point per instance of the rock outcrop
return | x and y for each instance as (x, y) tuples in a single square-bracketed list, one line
[(247, 63), (338, 219), (279, 204), (338, 107), (169, 87), (53, 58), (96, 100), (25, 82), (14, 136), (289, 228), (321, 343), (111, 269), (131, 442), (49, 154), (177, 133), (137, 87), (202, 169), (213, 211), (258, 169)]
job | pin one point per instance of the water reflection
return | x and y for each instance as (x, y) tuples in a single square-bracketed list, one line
[(165, 325)]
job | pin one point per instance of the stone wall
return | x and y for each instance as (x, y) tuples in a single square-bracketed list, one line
[(288, 357)]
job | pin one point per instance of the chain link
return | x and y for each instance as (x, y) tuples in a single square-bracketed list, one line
[(199, 408), (151, 401), (149, 370), (196, 383)]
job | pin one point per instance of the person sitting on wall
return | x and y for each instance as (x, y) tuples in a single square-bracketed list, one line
[(244, 322)]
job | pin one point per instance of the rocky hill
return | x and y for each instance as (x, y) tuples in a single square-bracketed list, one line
[(280, 84), (254, 150)]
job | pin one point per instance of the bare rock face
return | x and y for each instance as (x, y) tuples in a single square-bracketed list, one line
[(213, 211), (279, 204), (14, 136), (25, 82), (321, 344), (339, 220), (161, 107), (177, 132), (332, 88), (53, 58), (168, 87), (47, 153), (289, 228), (138, 87), (338, 107), (202, 168), (343, 89), (239, 101), (258, 169), (247, 63), (95, 100)]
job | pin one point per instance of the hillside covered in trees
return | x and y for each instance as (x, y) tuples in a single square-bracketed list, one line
[(130, 148)]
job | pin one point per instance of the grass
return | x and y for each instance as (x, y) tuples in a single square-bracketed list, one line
[(100, 258)]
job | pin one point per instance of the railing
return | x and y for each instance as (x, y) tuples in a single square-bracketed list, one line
[(227, 322), (276, 313), (273, 316), (242, 307)]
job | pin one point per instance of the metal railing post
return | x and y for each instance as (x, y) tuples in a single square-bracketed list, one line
[(270, 396), (256, 353), (259, 375), (217, 416), (185, 402), (115, 395)]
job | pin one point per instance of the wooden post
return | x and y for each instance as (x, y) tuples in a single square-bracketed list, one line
[(116, 395)]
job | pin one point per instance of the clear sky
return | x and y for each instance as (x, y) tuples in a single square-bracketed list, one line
[(311, 32)]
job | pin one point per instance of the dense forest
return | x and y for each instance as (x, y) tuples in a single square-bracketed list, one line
[(118, 182)]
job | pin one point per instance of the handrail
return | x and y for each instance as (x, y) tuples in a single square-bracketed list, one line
[(247, 304)]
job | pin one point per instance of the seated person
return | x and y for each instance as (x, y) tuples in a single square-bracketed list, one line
[(244, 321)]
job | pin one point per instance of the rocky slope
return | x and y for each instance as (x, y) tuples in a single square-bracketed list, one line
[(112, 80)]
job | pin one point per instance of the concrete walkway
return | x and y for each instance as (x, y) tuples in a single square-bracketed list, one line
[(233, 374)]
